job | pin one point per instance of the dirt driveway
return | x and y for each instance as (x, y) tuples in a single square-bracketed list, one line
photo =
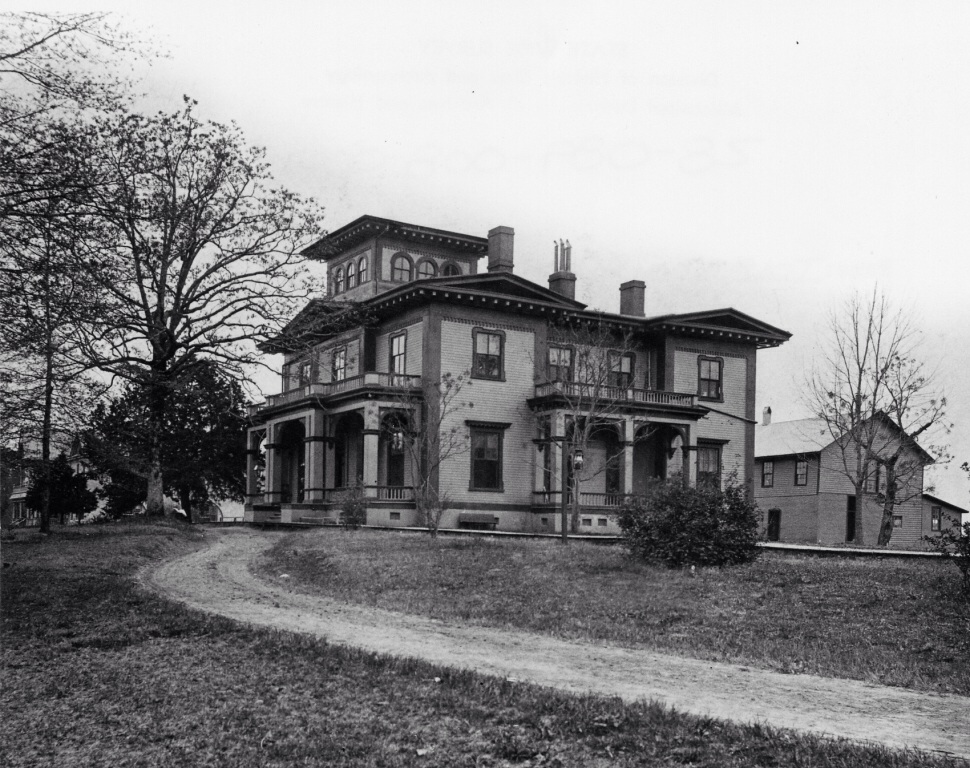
[(218, 580)]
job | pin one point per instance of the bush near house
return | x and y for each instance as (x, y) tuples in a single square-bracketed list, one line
[(677, 525)]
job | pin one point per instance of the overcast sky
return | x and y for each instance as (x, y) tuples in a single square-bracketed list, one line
[(768, 157)]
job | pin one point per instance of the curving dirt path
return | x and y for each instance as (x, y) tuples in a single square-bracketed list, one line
[(218, 580)]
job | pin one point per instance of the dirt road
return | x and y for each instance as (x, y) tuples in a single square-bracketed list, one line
[(218, 580)]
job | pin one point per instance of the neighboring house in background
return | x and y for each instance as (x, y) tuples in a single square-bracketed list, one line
[(18, 512), (806, 496), (683, 388)]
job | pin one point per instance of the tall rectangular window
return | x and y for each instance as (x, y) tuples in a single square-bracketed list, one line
[(560, 366), (709, 465), (486, 469), (304, 373), (801, 472), (621, 370), (709, 378), (873, 482), (338, 366), (488, 348), (398, 353), (767, 474), (936, 518)]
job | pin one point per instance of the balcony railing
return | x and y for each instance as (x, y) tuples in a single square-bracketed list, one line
[(390, 381), (579, 390)]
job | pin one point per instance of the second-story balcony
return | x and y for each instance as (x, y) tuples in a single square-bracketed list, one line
[(582, 395), (387, 384)]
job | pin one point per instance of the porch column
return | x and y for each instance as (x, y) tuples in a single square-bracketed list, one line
[(315, 451), (253, 492), (372, 433), (690, 455), (271, 492), (629, 430)]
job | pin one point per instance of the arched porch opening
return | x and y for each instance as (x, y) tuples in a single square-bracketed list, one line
[(601, 478), (394, 457), (348, 453), (655, 454), (292, 454)]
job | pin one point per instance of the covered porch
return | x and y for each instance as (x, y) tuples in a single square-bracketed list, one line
[(304, 466), (621, 458)]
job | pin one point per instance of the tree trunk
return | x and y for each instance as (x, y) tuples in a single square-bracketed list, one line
[(860, 503), (889, 504), (155, 492)]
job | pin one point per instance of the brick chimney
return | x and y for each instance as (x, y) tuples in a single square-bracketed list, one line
[(500, 249), (562, 280), (766, 416), (631, 298)]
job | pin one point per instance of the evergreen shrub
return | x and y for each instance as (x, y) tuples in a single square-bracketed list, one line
[(680, 525)]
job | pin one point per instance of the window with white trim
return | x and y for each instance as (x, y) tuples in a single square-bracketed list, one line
[(401, 268), (398, 361), (338, 368), (487, 354), (767, 474), (710, 372), (486, 459), (560, 367)]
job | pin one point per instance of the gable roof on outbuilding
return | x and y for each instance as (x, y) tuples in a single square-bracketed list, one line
[(805, 436)]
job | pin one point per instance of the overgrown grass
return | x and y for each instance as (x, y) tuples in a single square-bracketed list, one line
[(884, 621), (98, 673)]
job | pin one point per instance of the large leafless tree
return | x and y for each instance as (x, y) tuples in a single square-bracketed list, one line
[(879, 403), (198, 255)]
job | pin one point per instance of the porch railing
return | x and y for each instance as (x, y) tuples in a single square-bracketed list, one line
[(395, 493), (390, 381), (384, 493), (587, 500), (576, 389)]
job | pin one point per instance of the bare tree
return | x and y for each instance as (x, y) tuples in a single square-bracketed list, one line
[(429, 437), (45, 297), (56, 70), (197, 255), (591, 367), (876, 399)]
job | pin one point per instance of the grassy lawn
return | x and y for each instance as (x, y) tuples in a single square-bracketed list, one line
[(883, 621), (97, 672)]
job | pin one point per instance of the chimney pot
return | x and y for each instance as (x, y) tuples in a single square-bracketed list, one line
[(631, 298), (563, 281), (766, 416), (500, 240)]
